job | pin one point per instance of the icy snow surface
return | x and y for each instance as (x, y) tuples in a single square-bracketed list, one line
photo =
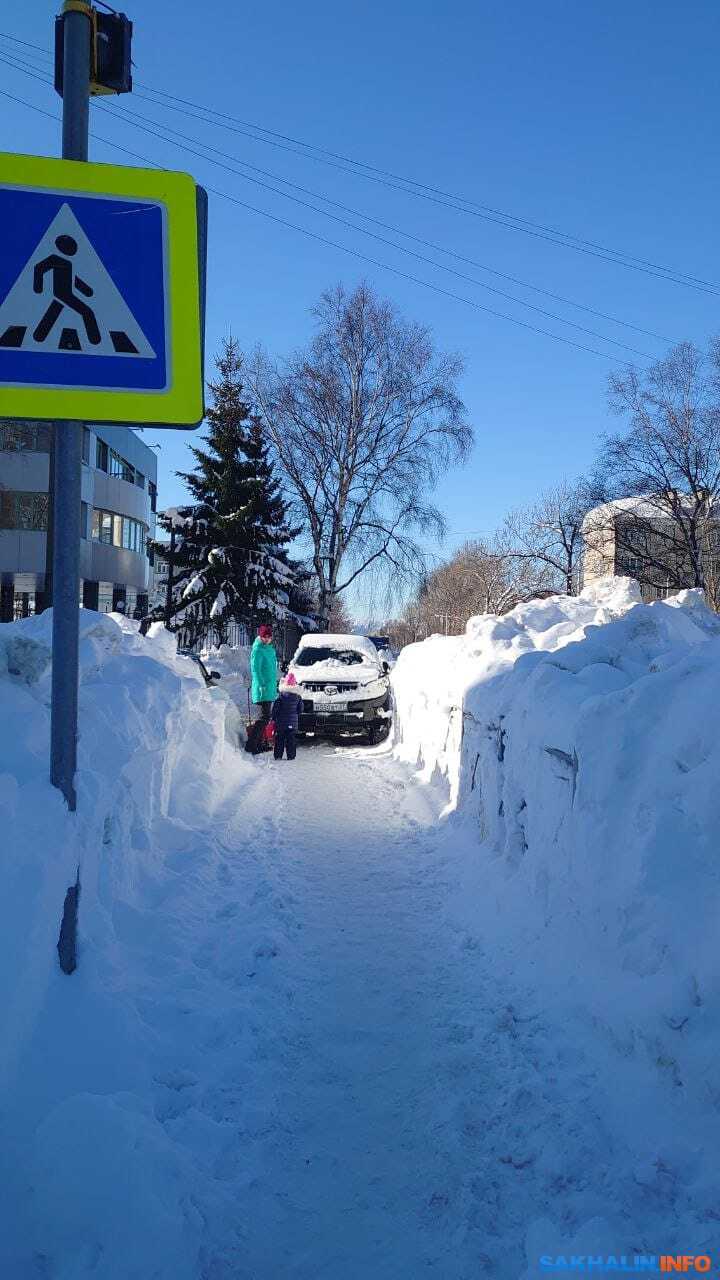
[(319, 1031)]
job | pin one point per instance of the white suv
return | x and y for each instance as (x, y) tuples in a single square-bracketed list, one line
[(344, 684)]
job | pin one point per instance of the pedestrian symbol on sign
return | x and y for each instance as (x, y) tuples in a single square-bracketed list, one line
[(63, 285), (47, 309)]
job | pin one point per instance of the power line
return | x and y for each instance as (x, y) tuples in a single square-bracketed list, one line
[(313, 235), (57, 119), (140, 122), (438, 196), (157, 132), (28, 45), (409, 236), (425, 191), (27, 69), (420, 240)]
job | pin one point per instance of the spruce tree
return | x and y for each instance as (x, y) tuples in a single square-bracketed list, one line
[(267, 530), (230, 560)]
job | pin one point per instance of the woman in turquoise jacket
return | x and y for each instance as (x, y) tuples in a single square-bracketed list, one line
[(264, 671)]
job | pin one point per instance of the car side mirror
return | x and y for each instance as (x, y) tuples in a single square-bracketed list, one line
[(215, 675), (386, 667)]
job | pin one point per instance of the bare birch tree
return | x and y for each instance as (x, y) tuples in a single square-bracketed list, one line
[(479, 578), (490, 580), (546, 536), (362, 424), (669, 457)]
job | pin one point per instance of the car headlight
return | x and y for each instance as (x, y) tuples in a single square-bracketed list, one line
[(376, 687)]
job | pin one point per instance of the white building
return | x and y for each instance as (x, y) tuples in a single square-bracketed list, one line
[(638, 537)]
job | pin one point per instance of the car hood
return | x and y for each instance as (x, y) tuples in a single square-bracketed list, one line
[(333, 672)]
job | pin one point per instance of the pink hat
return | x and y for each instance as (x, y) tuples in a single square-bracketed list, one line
[(290, 680)]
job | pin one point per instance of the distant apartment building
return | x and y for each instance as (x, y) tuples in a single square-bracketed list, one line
[(117, 517), (633, 538)]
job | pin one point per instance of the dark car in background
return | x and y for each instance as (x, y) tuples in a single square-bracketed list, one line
[(382, 643)]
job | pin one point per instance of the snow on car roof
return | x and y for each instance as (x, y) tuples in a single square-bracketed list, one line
[(330, 640)]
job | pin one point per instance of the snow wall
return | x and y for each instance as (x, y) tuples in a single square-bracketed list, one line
[(155, 749), (577, 741), (151, 741)]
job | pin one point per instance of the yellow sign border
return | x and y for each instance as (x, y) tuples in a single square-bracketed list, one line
[(182, 403)]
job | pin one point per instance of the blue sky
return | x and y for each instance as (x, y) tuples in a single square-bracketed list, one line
[(598, 119)]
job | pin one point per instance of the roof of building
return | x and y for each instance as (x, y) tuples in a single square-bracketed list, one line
[(644, 507)]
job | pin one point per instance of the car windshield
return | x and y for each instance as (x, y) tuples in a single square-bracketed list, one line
[(310, 656)]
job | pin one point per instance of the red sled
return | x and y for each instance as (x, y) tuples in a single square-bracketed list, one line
[(258, 738)]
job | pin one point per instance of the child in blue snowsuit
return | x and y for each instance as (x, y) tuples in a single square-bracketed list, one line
[(285, 713)]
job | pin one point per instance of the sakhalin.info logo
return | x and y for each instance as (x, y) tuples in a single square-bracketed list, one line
[(629, 1264)]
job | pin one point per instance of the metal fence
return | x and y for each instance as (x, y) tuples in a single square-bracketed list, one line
[(240, 634)]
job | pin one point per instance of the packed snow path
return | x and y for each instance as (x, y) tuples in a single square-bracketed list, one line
[(357, 1093), (293, 1063)]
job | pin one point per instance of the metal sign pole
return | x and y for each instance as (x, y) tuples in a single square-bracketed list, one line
[(67, 470)]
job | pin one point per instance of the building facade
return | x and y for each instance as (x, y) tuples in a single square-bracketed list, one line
[(117, 517), (633, 538)]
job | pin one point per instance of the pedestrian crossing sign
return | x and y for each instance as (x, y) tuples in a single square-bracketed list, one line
[(102, 273)]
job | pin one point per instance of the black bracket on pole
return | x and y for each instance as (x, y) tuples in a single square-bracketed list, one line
[(110, 52)]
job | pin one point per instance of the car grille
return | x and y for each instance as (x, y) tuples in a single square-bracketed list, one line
[(319, 686)]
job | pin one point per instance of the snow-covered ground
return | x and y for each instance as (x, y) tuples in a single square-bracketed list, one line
[(576, 742), (320, 1030)]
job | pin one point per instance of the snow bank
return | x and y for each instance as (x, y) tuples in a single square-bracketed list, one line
[(577, 742), (152, 757), (233, 664)]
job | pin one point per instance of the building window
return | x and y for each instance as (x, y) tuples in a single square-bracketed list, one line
[(139, 479), (152, 490), (119, 531), (633, 538), (120, 468), (23, 604), (86, 446), (131, 531), (83, 519), (101, 455), (22, 437), (23, 510), (102, 527)]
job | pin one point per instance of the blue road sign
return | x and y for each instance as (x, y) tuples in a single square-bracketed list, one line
[(101, 293), (82, 280)]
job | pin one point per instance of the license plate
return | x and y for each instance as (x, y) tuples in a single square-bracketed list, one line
[(326, 708)]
